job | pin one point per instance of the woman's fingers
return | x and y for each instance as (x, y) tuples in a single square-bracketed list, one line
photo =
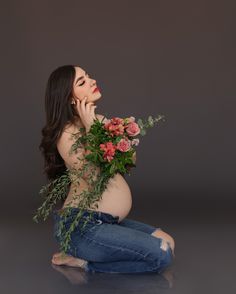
[(82, 104), (86, 111), (78, 106), (88, 107)]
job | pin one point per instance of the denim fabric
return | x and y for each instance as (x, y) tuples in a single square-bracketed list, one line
[(110, 246)]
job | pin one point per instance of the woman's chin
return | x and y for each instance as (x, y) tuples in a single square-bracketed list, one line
[(97, 96)]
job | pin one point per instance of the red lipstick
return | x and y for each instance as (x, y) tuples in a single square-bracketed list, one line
[(96, 89)]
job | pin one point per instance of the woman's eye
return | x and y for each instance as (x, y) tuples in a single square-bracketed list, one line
[(82, 83)]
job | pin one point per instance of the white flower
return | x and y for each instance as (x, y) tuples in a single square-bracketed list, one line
[(135, 142)]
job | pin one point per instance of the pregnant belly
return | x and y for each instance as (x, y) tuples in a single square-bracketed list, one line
[(115, 200)]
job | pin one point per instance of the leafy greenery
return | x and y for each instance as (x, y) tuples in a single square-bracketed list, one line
[(87, 200)]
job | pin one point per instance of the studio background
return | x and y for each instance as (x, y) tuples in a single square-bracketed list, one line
[(175, 58)]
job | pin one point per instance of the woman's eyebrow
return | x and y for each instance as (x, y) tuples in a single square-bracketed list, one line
[(79, 78)]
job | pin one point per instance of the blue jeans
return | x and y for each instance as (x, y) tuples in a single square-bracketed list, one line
[(110, 246)]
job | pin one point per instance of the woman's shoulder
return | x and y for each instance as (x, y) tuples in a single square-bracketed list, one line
[(75, 127), (101, 117), (70, 133)]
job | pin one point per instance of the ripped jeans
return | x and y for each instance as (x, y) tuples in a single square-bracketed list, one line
[(110, 246)]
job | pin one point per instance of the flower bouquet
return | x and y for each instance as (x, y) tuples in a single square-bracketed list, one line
[(110, 145)]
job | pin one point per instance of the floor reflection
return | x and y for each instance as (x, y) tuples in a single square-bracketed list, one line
[(78, 276)]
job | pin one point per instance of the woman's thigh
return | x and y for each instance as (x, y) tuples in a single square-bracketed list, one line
[(113, 242), (137, 225)]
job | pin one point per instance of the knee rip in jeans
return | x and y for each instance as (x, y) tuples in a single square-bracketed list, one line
[(164, 244)]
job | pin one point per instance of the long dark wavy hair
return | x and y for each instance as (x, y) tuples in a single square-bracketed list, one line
[(59, 112)]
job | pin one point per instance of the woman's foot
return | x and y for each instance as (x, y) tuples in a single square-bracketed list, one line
[(64, 259)]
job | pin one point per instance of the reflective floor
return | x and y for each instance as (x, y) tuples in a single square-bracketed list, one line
[(205, 259)]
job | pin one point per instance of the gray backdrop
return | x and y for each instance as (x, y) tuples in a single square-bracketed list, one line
[(176, 58)]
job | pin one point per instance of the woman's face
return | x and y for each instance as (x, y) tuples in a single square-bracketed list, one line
[(83, 86)]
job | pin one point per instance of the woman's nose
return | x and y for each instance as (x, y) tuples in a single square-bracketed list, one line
[(93, 82)]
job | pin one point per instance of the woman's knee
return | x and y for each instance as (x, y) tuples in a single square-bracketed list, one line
[(163, 235), (167, 258), (164, 256)]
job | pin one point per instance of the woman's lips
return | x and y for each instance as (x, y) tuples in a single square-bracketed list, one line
[(96, 89)]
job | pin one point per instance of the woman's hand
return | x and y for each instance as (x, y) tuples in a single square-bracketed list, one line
[(86, 112)]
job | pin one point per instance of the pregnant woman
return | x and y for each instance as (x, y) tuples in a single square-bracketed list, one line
[(112, 243)]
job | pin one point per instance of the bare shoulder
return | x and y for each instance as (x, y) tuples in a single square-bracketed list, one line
[(101, 117), (68, 137), (74, 128)]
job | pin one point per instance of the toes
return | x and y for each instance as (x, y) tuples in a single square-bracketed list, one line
[(57, 260), (56, 254), (54, 261), (60, 260), (59, 255)]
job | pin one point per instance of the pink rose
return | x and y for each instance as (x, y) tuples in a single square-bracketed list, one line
[(124, 145), (132, 129)]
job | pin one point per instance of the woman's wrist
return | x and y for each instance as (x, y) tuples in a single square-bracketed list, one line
[(87, 130)]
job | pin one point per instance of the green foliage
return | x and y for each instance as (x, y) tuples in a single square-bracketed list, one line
[(149, 123), (52, 192), (88, 199)]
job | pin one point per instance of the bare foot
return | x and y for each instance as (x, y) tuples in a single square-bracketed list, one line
[(64, 259)]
